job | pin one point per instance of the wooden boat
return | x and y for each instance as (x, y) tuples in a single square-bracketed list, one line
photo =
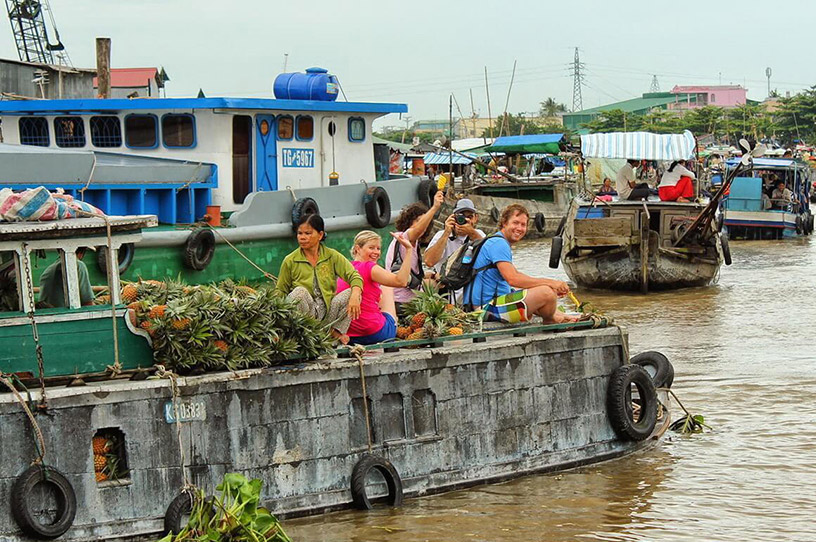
[(639, 245)]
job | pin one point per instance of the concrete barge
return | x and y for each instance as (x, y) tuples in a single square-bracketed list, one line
[(460, 413)]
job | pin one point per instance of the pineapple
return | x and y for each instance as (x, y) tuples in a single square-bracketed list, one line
[(135, 306), (416, 335), (455, 331), (449, 307), (403, 332), (418, 320), (101, 476), (100, 462), (129, 293), (101, 445), (181, 323), (221, 345), (134, 321), (157, 311), (102, 300)]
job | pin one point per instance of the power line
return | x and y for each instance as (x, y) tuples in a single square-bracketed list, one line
[(577, 81)]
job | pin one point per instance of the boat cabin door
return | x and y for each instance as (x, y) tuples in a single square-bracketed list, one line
[(266, 162)]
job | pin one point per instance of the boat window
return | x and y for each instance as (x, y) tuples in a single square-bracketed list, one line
[(305, 128), (140, 131), (286, 127), (69, 132), (106, 131), (178, 130), (34, 131), (356, 129)]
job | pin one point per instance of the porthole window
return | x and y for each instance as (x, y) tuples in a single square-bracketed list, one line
[(178, 130), (356, 129), (286, 127), (305, 128), (34, 131), (332, 128), (106, 131), (141, 131), (69, 132)]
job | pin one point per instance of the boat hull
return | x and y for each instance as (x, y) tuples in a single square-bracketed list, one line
[(445, 417)]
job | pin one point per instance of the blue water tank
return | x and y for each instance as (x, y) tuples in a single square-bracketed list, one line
[(315, 84)]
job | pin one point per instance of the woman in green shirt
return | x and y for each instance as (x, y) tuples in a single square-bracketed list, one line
[(308, 277)]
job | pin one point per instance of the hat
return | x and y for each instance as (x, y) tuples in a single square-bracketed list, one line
[(464, 204)]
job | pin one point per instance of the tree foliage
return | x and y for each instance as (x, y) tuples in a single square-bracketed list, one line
[(521, 125)]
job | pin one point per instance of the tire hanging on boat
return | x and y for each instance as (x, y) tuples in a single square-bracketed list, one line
[(561, 225), (657, 363), (178, 508), (125, 256), (377, 207), (495, 214), (799, 227), (726, 249), (389, 474), (199, 249), (21, 507), (619, 403), (426, 192), (539, 222), (302, 207), (555, 251)]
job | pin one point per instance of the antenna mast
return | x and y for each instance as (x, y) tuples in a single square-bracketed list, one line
[(577, 82), (30, 32)]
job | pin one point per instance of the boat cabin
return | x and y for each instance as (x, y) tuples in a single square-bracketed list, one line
[(252, 144), (74, 339)]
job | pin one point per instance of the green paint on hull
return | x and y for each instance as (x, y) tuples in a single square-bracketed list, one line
[(74, 344)]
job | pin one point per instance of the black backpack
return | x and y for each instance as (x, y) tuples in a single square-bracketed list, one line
[(458, 271)]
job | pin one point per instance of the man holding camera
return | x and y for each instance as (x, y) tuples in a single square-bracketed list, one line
[(459, 227)]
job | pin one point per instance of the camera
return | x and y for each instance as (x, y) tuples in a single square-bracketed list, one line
[(460, 219)]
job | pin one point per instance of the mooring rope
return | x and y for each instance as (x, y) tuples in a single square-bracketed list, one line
[(357, 351), (161, 372), (40, 442), (266, 274)]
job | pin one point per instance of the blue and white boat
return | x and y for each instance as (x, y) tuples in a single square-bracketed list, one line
[(750, 213)]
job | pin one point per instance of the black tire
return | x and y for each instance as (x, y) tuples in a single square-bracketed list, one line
[(658, 366), (389, 473), (561, 225), (179, 508), (25, 517), (726, 249), (799, 226), (495, 214), (539, 222), (426, 192), (303, 207), (720, 220), (199, 249), (555, 251), (619, 403), (377, 207), (810, 222), (125, 257)]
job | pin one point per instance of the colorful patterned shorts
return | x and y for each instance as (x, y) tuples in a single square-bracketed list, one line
[(508, 308)]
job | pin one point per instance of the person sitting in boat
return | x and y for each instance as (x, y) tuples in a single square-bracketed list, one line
[(460, 226), (782, 197), (626, 185), (52, 290), (676, 184), (607, 189), (378, 315), (412, 223), (502, 291), (308, 277)]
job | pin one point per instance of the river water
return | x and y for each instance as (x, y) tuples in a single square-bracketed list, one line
[(744, 357)]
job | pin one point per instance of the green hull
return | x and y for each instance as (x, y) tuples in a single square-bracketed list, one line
[(74, 342)]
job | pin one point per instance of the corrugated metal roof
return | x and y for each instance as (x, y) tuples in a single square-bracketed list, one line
[(639, 146), (635, 104), (130, 77)]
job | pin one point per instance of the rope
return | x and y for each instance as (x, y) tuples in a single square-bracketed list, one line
[(161, 372), (357, 351), (266, 274), (37, 346), (40, 442), (193, 178), (90, 177)]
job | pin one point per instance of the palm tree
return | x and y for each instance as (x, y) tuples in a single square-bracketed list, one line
[(551, 108)]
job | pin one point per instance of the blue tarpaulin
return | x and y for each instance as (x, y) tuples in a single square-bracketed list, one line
[(436, 158)]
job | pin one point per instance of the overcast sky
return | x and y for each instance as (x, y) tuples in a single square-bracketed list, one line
[(420, 52)]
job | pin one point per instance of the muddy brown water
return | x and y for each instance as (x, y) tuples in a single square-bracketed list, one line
[(744, 355)]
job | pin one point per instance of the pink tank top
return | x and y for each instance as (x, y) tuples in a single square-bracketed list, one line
[(371, 320)]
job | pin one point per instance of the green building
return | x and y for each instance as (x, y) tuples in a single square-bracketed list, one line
[(636, 106)]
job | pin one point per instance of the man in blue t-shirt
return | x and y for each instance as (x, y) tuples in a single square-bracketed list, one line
[(507, 294)]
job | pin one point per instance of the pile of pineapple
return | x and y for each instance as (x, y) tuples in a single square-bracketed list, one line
[(429, 315), (222, 326), (106, 461)]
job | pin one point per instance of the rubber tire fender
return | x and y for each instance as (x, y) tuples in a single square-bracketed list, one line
[(66, 502), (561, 225), (539, 222), (377, 207), (302, 207), (719, 221), (810, 222), (663, 369), (358, 481), (199, 249), (495, 214), (126, 253), (799, 226), (555, 251), (619, 402), (179, 507), (726, 249), (426, 192)]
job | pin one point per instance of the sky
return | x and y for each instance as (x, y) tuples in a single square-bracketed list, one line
[(420, 53)]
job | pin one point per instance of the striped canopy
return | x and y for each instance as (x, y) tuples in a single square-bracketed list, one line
[(638, 146), (435, 158)]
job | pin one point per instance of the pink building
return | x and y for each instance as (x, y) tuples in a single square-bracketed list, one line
[(692, 97)]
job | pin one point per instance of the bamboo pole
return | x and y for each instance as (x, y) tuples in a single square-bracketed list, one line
[(489, 114)]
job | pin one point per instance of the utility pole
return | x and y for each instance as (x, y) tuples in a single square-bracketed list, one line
[(768, 75), (577, 82), (655, 85)]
